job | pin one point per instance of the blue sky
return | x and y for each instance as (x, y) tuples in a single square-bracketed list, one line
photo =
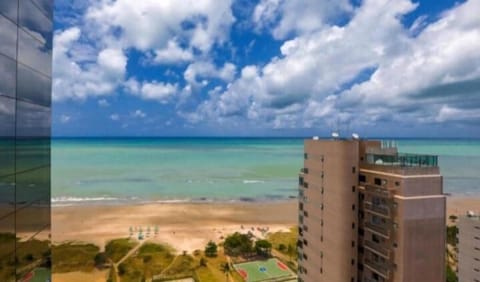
[(266, 68)]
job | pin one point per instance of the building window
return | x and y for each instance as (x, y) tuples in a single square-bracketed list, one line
[(353, 244), (305, 242), (353, 207), (300, 181), (362, 178), (353, 189), (353, 225), (305, 213), (353, 169), (380, 182), (353, 262), (305, 184), (397, 183), (305, 156)]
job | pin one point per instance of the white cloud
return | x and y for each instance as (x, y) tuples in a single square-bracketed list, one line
[(204, 69), (90, 57), (139, 114), (113, 60), (316, 78), (151, 24), (115, 117), (301, 16), (64, 118), (157, 91), (77, 79), (172, 54), (103, 103)]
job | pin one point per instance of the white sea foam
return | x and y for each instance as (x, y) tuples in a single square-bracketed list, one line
[(247, 181), (63, 200)]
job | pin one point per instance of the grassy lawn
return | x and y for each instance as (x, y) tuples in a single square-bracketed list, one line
[(7, 260), (150, 260), (70, 257), (285, 241), (118, 248), (214, 269)]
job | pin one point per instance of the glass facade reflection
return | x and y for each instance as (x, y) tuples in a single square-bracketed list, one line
[(25, 110)]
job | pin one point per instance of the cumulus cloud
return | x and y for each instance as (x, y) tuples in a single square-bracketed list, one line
[(368, 70), (90, 56), (103, 103), (75, 78), (283, 17), (172, 54), (115, 117), (157, 91), (65, 118), (204, 69), (139, 114)]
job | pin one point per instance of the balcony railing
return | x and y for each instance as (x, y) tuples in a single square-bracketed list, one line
[(382, 230), (377, 248), (402, 160), (379, 209), (380, 268), (378, 191)]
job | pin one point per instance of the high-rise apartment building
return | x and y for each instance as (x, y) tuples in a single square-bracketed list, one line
[(469, 248), (369, 213), (25, 99)]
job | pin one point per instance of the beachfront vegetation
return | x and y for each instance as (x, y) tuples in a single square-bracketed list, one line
[(118, 248), (29, 253), (211, 249), (238, 244), (452, 235), (69, 257), (263, 248), (285, 242), (151, 259)]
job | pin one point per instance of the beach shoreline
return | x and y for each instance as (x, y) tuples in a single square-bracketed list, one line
[(184, 226)]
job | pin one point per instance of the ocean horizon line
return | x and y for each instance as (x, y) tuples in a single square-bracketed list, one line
[(260, 137)]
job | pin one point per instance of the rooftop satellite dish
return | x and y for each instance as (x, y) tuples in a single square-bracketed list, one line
[(335, 135), (355, 136), (315, 137)]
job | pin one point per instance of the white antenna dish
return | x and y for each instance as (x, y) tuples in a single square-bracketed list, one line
[(335, 135), (355, 136), (315, 137)]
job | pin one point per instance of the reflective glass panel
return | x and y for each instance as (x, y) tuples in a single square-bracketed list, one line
[(8, 35), (33, 86), (7, 76)]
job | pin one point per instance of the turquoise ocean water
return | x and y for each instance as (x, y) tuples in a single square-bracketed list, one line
[(122, 170)]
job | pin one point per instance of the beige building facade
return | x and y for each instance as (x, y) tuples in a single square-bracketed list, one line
[(469, 248), (368, 213)]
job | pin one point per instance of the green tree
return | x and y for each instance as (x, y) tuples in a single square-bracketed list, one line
[(211, 249), (238, 244), (452, 235), (451, 275), (100, 260), (263, 247)]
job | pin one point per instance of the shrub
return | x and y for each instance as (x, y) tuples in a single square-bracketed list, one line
[(238, 244), (211, 249)]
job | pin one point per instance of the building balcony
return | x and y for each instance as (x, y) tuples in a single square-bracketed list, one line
[(382, 210), (377, 248), (383, 231), (381, 268), (382, 192)]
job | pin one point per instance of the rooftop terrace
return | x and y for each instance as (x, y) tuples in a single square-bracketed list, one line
[(402, 160)]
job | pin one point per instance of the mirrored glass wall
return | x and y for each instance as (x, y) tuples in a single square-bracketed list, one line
[(25, 110)]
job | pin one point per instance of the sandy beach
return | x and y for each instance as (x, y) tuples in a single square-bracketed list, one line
[(188, 226), (459, 205), (185, 226)]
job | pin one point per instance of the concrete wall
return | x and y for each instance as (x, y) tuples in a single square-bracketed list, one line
[(469, 249)]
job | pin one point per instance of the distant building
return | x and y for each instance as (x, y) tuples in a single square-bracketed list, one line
[(469, 248), (368, 213), (25, 110)]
